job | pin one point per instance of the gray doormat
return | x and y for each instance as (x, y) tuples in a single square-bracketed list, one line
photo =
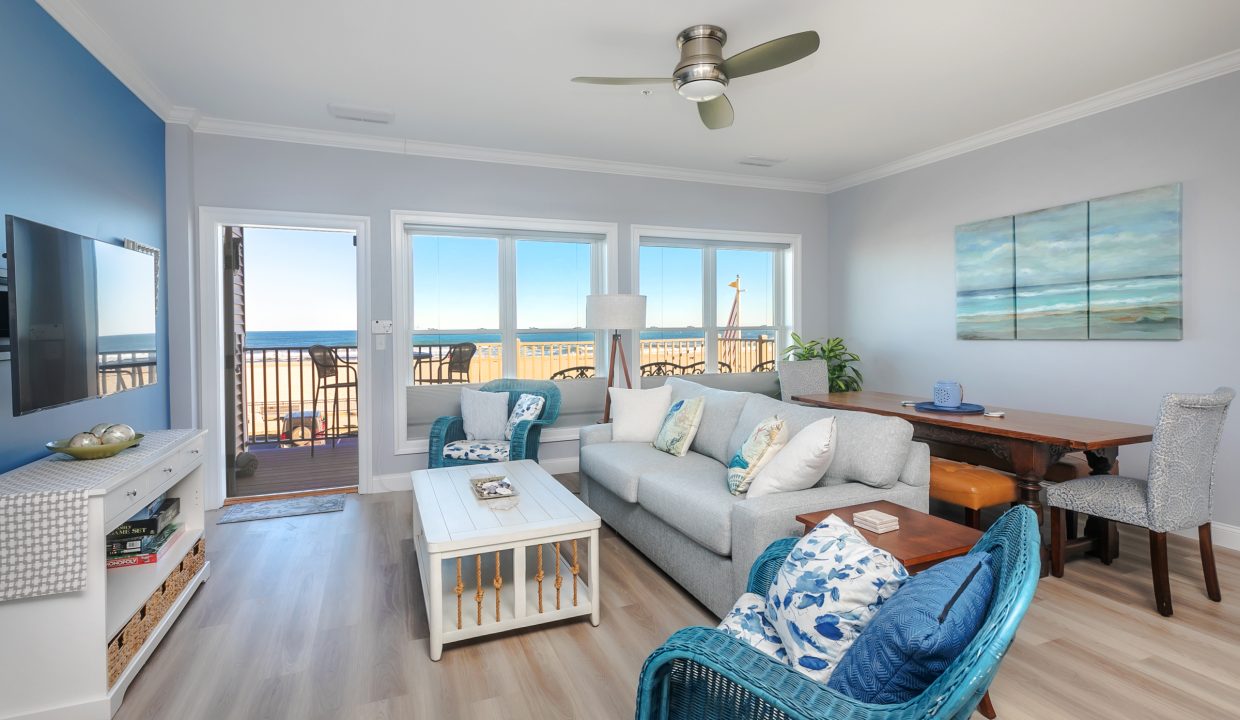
[(309, 505)]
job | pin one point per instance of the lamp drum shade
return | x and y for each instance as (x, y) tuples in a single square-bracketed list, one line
[(615, 312)]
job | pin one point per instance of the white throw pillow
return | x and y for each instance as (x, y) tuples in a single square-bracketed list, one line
[(637, 415), (484, 414), (801, 463), (826, 592)]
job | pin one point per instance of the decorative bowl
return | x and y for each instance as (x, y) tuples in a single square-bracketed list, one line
[(92, 452)]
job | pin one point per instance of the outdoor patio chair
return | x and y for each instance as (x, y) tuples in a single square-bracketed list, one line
[(703, 672), (446, 431), (580, 372), (452, 366), (331, 374)]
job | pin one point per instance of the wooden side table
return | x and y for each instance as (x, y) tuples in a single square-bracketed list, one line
[(921, 542)]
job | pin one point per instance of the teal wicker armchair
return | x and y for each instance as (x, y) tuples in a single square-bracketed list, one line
[(704, 673), (525, 436)]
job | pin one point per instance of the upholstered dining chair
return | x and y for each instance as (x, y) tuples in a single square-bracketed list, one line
[(1177, 496)]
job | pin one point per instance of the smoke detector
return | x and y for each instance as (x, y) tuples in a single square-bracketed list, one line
[(360, 114)]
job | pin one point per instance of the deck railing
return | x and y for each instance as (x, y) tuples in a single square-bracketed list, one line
[(279, 395), (125, 370), (541, 360)]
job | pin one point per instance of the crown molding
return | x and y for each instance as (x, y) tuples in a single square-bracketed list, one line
[(111, 55), (181, 115), (400, 146), (1183, 77)]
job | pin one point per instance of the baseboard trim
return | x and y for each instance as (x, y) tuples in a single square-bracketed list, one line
[(1225, 535), (399, 482), (558, 466)]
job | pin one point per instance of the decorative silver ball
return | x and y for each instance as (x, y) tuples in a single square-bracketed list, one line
[(83, 439), (117, 433), (99, 429)]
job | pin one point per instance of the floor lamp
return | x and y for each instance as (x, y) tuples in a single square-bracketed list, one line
[(615, 313)]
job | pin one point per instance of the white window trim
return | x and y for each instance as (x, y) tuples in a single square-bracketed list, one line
[(208, 363), (401, 272), (791, 273)]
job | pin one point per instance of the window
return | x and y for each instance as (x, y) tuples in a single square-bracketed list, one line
[(501, 303), (712, 306)]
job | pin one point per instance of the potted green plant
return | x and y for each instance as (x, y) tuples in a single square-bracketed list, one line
[(842, 372)]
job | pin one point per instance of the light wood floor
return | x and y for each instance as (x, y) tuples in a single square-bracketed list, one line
[(292, 469), (321, 616)]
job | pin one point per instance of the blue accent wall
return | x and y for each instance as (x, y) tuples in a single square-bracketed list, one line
[(78, 151)]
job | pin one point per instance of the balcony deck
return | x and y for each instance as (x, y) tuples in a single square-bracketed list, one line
[(291, 469)]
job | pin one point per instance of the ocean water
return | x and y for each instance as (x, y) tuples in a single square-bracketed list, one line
[(348, 338), (1126, 308)]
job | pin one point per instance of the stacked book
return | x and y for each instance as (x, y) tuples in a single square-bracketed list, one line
[(875, 521), (144, 538)]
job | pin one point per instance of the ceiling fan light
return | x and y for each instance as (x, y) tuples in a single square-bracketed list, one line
[(702, 90)]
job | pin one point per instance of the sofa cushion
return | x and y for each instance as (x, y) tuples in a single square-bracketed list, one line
[(869, 448), (617, 465), (719, 416), (478, 450), (691, 495)]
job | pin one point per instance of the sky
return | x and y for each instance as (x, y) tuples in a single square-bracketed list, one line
[(305, 280), (300, 280), (126, 281)]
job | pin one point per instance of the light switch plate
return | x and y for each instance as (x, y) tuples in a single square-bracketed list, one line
[(381, 327)]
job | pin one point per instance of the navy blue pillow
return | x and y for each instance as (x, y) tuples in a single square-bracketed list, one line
[(917, 633)]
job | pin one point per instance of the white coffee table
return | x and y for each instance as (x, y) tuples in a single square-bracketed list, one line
[(510, 563)]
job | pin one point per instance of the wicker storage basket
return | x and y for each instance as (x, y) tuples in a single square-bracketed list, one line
[(127, 643)]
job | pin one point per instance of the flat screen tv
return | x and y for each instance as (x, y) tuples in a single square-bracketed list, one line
[(81, 315)]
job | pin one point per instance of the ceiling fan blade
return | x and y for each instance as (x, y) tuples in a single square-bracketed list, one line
[(621, 80), (716, 114), (770, 55)]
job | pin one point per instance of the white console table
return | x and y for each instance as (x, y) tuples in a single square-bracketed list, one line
[(54, 661)]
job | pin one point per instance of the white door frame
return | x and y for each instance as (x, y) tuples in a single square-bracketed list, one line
[(211, 340)]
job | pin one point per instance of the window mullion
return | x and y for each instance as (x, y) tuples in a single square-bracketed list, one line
[(710, 322), (508, 305)]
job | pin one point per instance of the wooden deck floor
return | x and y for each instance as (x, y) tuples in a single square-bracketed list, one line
[(282, 470)]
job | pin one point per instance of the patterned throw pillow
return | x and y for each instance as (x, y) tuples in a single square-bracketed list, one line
[(680, 425), (758, 448), (918, 633), (528, 407), (828, 589), (747, 621)]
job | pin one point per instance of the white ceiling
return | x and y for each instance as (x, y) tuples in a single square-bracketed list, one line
[(892, 79)]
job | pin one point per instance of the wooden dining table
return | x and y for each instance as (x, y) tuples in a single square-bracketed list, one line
[(1022, 442)]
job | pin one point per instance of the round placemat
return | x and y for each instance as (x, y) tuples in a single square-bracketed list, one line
[(964, 409)]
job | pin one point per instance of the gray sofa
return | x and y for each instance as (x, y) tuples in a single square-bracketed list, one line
[(679, 513)]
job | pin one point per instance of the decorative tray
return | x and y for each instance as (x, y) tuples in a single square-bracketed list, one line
[(492, 487), (964, 409), (92, 452)]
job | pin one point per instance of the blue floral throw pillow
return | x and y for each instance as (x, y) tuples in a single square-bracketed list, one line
[(747, 621), (828, 589), (528, 407)]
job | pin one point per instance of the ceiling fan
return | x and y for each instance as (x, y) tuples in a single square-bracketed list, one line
[(702, 74)]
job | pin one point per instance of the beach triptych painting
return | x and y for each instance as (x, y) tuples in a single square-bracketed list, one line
[(1107, 269)]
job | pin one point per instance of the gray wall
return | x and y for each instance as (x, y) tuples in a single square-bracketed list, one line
[(892, 284), (254, 174)]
